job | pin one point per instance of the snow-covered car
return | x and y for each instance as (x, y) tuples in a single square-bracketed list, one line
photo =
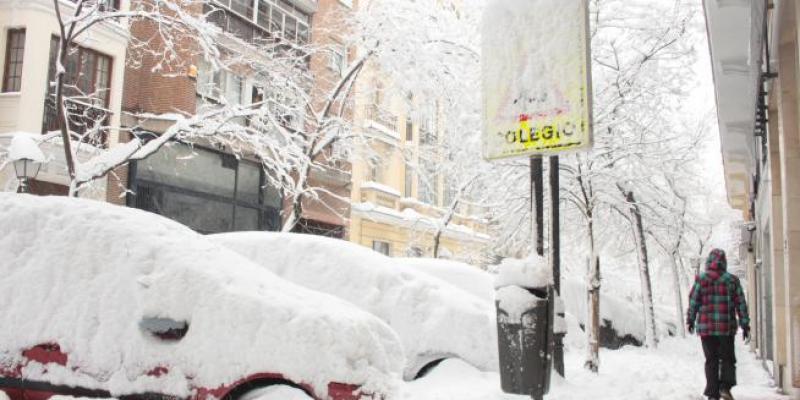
[(464, 276), (434, 319), (106, 301)]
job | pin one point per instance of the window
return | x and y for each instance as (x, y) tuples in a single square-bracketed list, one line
[(208, 191), (262, 19), (109, 5), (234, 89), (15, 49), (106, 5), (338, 61), (276, 18), (88, 89), (381, 247), (376, 170), (220, 84), (243, 7), (409, 130), (409, 181), (428, 179), (290, 28)]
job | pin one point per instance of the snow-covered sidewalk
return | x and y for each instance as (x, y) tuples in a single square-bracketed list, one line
[(673, 372)]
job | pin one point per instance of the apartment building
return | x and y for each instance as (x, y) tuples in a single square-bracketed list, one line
[(399, 195), (205, 187), (29, 33), (756, 64)]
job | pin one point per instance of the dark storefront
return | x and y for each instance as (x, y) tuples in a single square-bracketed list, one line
[(206, 190)]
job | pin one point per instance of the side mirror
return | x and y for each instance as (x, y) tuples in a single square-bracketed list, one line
[(166, 329)]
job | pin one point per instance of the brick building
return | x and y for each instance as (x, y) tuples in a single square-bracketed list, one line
[(204, 187)]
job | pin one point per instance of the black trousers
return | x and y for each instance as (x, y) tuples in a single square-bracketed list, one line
[(720, 364)]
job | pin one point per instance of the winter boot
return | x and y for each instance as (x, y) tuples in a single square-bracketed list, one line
[(725, 394)]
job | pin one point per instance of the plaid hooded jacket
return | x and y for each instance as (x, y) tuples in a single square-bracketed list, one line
[(717, 299)]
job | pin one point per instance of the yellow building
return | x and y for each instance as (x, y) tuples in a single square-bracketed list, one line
[(399, 196)]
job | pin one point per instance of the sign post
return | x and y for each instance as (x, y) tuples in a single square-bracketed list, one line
[(537, 99)]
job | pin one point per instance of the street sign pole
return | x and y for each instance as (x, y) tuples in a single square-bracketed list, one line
[(537, 204), (555, 254)]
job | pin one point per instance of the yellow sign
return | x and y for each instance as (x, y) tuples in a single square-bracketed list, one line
[(536, 78)]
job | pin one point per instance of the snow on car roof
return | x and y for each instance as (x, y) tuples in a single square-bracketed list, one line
[(84, 274), (432, 317), (464, 276)]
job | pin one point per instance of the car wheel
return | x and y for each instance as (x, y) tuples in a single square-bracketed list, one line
[(276, 392), (428, 368)]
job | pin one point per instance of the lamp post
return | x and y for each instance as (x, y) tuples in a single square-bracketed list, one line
[(26, 169), (27, 157)]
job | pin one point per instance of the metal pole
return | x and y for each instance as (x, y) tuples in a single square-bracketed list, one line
[(537, 204), (555, 252)]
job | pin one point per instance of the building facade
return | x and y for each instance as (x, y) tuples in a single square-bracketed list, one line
[(400, 198), (208, 188), (29, 39), (756, 64)]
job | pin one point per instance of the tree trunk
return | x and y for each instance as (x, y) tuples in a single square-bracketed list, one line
[(651, 338), (593, 300), (295, 214), (593, 325), (676, 281), (61, 116)]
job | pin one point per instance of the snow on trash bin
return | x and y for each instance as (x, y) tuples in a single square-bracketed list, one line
[(532, 272)]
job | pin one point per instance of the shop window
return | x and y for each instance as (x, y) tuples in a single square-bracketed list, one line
[(15, 49), (205, 190)]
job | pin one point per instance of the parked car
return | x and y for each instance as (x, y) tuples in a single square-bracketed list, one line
[(434, 319), (106, 301), (466, 277)]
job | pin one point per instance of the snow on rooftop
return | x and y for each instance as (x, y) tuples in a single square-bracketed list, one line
[(25, 146), (432, 317), (85, 274)]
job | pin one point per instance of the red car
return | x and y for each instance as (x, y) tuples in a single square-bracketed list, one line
[(106, 301)]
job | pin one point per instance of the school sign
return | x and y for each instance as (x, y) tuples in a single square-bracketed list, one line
[(536, 78)]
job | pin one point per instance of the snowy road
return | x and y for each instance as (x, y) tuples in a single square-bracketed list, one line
[(673, 372)]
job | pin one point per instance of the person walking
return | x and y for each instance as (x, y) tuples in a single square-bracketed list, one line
[(715, 302)]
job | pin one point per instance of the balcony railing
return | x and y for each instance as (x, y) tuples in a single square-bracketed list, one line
[(383, 117)]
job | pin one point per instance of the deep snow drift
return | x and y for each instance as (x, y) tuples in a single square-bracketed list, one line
[(85, 274), (433, 318)]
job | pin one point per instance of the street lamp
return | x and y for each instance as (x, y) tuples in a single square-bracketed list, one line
[(26, 169), (24, 152)]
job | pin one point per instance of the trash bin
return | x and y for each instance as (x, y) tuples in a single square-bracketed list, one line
[(525, 339)]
